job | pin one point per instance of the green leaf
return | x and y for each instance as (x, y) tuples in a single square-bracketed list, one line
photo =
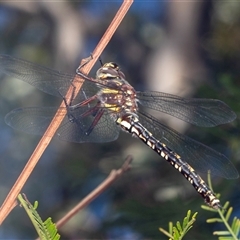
[(170, 226), (179, 227), (207, 208), (221, 233), (236, 226), (232, 230), (46, 230), (214, 220), (166, 233), (225, 206), (35, 205), (225, 238), (186, 219), (228, 214), (178, 232)]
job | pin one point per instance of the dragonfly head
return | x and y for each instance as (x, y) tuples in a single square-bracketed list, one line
[(110, 71)]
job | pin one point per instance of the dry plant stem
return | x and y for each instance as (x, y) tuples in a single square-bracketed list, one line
[(45, 140), (114, 175)]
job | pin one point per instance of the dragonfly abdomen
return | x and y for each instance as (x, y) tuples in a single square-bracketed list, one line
[(131, 124)]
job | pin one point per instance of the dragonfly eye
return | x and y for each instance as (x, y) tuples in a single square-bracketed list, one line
[(110, 71), (113, 70), (106, 73), (112, 65)]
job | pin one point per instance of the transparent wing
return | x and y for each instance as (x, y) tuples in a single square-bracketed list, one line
[(199, 156), (200, 112), (47, 80), (35, 120)]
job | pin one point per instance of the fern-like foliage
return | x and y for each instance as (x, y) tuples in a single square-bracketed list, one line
[(46, 230), (232, 231), (179, 231)]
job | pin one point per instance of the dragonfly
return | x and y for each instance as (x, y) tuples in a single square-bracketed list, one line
[(108, 104)]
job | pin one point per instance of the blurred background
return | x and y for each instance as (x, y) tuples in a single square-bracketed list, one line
[(190, 49)]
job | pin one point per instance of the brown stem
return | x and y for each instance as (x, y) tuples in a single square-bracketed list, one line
[(45, 140), (113, 176)]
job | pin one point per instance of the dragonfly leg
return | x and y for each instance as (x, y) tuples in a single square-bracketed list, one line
[(96, 112), (77, 71), (100, 60), (71, 98), (95, 121), (71, 108), (92, 111), (85, 102), (88, 59)]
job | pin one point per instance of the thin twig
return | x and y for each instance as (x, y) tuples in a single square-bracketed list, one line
[(45, 140), (113, 176)]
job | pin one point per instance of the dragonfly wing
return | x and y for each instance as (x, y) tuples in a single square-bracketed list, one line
[(47, 80), (105, 130), (35, 120), (200, 112), (32, 120), (199, 156)]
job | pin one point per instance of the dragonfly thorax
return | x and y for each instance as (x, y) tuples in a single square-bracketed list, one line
[(116, 94), (118, 100)]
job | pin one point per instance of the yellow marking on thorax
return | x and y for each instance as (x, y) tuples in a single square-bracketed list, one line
[(109, 90), (112, 107)]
